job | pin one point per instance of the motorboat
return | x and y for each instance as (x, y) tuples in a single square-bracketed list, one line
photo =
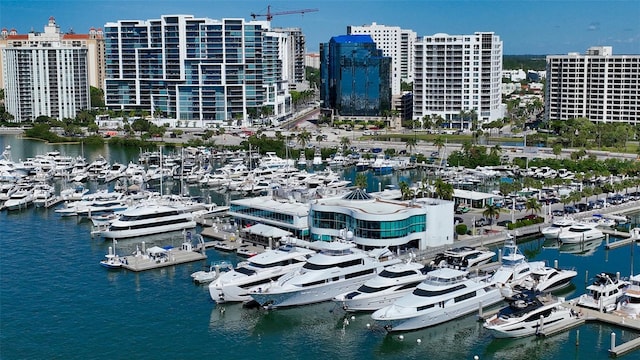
[(212, 273), (149, 219), (392, 283), (446, 294), (112, 260), (260, 269), (463, 257), (557, 226), (629, 304), (529, 316), (43, 193), (547, 279), (515, 268), (603, 294), (339, 267), (580, 232), (21, 199)]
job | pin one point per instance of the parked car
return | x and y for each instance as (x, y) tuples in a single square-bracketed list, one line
[(457, 220), (504, 223), (529, 217), (519, 206), (461, 209), (557, 212), (570, 210), (583, 207), (482, 222)]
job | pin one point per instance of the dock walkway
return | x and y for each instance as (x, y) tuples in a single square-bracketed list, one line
[(171, 257)]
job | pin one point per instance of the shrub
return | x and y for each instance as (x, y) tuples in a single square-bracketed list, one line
[(461, 229)]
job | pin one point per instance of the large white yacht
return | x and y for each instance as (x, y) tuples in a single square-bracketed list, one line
[(21, 199), (463, 257), (145, 220), (515, 268), (547, 279), (629, 305), (446, 294), (392, 283), (337, 268), (579, 233), (604, 293), (529, 316), (260, 269), (557, 226)]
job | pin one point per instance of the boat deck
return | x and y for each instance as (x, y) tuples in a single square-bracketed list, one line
[(174, 257)]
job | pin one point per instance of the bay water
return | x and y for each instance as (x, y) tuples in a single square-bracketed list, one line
[(56, 302)]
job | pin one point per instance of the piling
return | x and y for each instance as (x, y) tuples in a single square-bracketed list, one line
[(613, 341)]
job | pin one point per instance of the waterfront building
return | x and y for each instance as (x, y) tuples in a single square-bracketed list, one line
[(50, 72), (355, 76), (294, 58), (396, 43), (286, 215), (199, 71), (598, 85), (374, 222), (458, 77)]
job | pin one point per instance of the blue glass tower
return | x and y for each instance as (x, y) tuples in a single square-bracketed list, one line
[(355, 76)]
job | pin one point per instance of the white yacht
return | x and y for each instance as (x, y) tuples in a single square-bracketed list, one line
[(148, 219), (336, 269), (525, 317), (42, 192), (579, 233), (260, 269), (629, 305), (392, 283), (604, 293), (212, 273), (557, 226), (547, 279), (446, 294), (463, 257), (21, 199), (515, 268)]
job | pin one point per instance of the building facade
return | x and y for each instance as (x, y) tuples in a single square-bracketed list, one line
[(294, 56), (49, 73), (458, 77), (598, 85), (373, 222), (198, 71), (396, 43), (355, 76)]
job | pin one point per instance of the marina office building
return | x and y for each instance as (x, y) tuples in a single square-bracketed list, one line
[(458, 73), (369, 220), (49, 73), (598, 85), (199, 71)]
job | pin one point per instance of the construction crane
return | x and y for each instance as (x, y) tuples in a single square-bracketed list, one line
[(269, 15)]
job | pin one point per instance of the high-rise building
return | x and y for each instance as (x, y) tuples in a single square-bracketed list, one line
[(396, 43), (355, 76), (294, 65), (458, 77), (598, 85), (49, 73), (198, 70)]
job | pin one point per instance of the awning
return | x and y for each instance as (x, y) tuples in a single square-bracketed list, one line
[(267, 231), (156, 250)]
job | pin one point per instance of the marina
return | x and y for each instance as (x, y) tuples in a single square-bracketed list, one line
[(229, 326)]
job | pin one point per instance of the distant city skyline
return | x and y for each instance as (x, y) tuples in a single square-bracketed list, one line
[(526, 27)]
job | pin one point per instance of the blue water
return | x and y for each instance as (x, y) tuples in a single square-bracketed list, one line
[(57, 302)]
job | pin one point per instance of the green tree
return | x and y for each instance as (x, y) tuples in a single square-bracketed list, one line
[(411, 143), (361, 181), (344, 143), (491, 211), (443, 190), (532, 205), (303, 138)]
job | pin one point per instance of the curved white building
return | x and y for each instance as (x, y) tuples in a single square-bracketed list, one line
[(375, 222)]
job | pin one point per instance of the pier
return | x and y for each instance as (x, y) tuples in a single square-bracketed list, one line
[(159, 257)]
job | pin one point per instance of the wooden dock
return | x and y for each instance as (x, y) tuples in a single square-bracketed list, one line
[(172, 257)]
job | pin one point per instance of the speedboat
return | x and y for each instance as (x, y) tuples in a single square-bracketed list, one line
[(207, 276), (629, 305), (463, 257), (580, 232), (270, 265), (547, 279), (515, 268), (336, 269), (525, 317), (21, 199), (446, 294), (557, 226), (392, 283), (148, 220), (604, 293)]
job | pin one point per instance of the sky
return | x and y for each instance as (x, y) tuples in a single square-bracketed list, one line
[(537, 27)]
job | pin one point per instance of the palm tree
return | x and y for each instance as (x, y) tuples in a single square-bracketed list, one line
[(303, 138), (490, 212), (411, 144), (361, 181), (438, 142), (443, 190), (344, 142), (405, 190), (533, 204)]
